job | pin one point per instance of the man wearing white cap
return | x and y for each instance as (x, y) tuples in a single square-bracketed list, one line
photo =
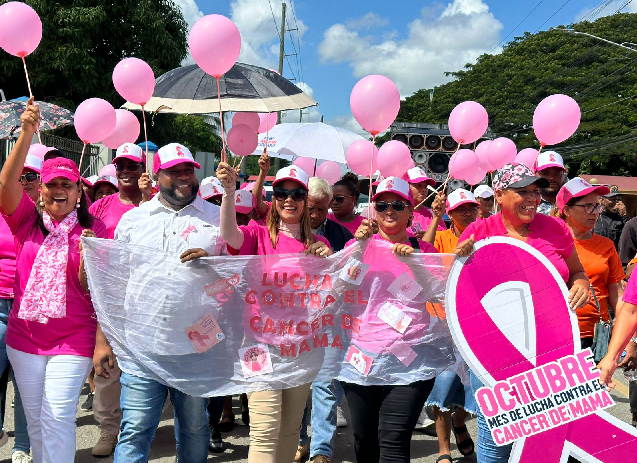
[(177, 220), (549, 165), (211, 190), (418, 184), (484, 196)]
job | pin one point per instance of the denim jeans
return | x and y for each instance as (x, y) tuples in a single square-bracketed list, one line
[(21, 442), (326, 395), (142, 401), (486, 449), (5, 307)]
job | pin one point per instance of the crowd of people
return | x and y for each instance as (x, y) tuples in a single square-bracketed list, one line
[(51, 338)]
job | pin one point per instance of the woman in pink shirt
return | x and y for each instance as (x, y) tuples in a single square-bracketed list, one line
[(275, 416), (345, 195), (51, 332)]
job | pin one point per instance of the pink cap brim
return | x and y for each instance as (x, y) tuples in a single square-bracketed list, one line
[(430, 181), (128, 156), (87, 181), (289, 178), (46, 178), (174, 162), (104, 182), (546, 166), (461, 203), (212, 196), (243, 209)]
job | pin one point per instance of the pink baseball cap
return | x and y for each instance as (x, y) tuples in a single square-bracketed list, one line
[(548, 159), (106, 179), (417, 175), (33, 163), (171, 155), (129, 151), (576, 188), (250, 187), (210, 187), (394, 185), (59, 167), (292, 173), (244, 201), (90, 180), (459, 197), (378, 180), (39, 150)]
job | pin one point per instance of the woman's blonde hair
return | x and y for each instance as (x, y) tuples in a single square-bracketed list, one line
[(273, 219)]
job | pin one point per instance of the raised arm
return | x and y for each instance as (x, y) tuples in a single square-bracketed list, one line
[(10, 187), (230, 232), (264, 164), (438, 209)]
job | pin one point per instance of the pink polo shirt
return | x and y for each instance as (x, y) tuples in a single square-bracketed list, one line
[(351, 226), (256, 242), (630, 293), (71, 335), (549, 235), (7, 261), (110, 210), (422, 219)]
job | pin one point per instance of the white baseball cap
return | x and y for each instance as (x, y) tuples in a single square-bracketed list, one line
[(483, 191), (106, 179), (129, 151), (171, 155), (459, 197), (90, 180), (210, 187), (576, 188), (417, 175), (394, 185), (33, 162), (548, 159), (244, 201), (292, 173)]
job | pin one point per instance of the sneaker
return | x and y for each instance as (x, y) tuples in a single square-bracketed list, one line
[(105, 445), (321, 459), (216, 443), (302, 452), (424, 423), (20, 457), (88, 403), (341, 422), (4, 438)]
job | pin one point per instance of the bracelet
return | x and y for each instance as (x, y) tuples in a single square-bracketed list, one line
[(634, 339)]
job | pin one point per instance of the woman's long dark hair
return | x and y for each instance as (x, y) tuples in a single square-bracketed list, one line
[(84, 217)]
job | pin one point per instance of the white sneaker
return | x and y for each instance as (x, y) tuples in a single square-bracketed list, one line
[(423, 420), (20, 457), (341, 422)]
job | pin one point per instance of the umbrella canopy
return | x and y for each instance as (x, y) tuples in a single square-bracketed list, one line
[(189, 90), (52, 116), (312, 140)]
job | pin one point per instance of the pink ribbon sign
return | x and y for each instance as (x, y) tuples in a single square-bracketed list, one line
[(508, 313)]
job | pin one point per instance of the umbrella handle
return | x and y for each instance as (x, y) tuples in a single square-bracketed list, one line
[(26, 73)]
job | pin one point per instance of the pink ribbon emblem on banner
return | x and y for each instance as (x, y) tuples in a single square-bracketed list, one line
[(508, 313)]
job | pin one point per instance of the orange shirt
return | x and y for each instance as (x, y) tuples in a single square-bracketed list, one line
[(603, 267), (445, 242)]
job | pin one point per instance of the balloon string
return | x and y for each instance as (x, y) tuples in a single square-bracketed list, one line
[(145, 139), (371, 173), (223, 136), (79, 167), (26, 73)]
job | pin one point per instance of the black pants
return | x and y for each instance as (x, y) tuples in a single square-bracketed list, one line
[(383, 419)]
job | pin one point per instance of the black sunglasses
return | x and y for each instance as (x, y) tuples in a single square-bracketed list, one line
[(339, 199), (381, 206), (297, 194), (29, 177)]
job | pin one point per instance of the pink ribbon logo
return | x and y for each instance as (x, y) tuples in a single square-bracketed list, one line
[(293, 173), (180, 152), (508, 316), (186, 233), (390, 184), (198, 337)]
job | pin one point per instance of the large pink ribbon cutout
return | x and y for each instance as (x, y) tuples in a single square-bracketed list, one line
[(551, 333)]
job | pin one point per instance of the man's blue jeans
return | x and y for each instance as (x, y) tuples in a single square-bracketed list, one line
[(325, 396), (142, 401)]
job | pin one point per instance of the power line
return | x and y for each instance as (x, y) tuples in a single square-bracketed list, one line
[(278, 32), (550, 17), (298, 41), (519, 24)]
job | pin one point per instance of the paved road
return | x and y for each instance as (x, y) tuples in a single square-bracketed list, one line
[(423, 448)]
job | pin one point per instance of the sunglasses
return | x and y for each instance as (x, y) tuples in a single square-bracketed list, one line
[(339, 199), (132, 166), (29, 177), (381, 206), (297, 194)]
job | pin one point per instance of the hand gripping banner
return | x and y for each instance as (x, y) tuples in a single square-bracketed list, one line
[(508, 313), (226, 325)]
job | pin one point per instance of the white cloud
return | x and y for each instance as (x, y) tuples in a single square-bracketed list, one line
[(348, 123), (436, 42), (591, 14), (190, 10), (366, 22)]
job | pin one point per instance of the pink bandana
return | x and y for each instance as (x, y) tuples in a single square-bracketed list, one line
[(45, 294)]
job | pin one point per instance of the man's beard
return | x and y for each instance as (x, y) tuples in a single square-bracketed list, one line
[(549, 191), (170, 194)]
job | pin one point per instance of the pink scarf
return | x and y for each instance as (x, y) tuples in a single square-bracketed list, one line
[(45, 294)]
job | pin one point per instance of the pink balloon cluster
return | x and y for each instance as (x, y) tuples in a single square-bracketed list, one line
[(362, 157), (468, 121), (134, 80), (393, 159), (215, 43), (94, 120), (375, 102), (330, 171), (126, 129), (491, 155), (555, 119), (252, 120), (267, 121), (20, 29)]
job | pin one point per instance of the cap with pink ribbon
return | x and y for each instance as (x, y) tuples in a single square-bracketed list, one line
[(129, 151), (516, 176), (106, 179), (244, 201), (250, 187), (210, 187), (33, 163), (576, 188), (548, 159), (394, 185), (59, 167), (417, 175), (171, 155), (459, 197), (292, 173)]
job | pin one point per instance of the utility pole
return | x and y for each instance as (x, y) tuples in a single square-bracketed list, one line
[(277, 161)]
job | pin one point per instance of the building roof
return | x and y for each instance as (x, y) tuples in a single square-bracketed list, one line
[(627, 185)]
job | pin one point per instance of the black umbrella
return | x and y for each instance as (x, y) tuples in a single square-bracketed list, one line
[(189, 90), (51, 116)]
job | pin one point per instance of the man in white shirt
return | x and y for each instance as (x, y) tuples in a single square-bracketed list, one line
[(176, 220)]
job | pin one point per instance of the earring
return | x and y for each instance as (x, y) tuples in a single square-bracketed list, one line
[(77, 206), (40, 202)]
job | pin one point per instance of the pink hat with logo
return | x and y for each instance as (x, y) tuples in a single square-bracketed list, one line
[(250, 187), (90, 180), (394, 185), (210, 187), (459, 197), (576, 188), (417, 175), (33, 163), (171, 155), (129, 151), (59, 167), (106, 179), (548, 159), (244, 201), (292, 173)]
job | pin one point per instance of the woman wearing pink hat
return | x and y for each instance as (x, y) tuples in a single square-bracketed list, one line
[(51, 332), (287, 230)]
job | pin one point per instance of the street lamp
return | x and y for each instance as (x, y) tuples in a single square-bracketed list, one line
[(571, 31)]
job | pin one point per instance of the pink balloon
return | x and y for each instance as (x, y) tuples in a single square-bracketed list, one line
[(477, 177), (330, 171), (94, 120), (267, 121), (250, 119), (468, 121), (375, 102), (502, 151), (126, 130), (463, 164), (242, 140), (215, 44), (527, 157), (359, 157), (307, 164), (39, 150), (108, 169), (134, 80), (555, 119), (411, 163), (20, 29), (393, 159), (482, 151)]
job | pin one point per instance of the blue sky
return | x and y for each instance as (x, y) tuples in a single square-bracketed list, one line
[(411, 42)]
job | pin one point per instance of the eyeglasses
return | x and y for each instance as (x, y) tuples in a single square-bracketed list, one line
[(132, 166), (591, 208), (281, 194), (339, 199), (381, 206), (29, 177), (467, 211)]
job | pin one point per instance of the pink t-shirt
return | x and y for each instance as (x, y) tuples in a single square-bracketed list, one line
[(71, 335), (110, 210), (256, 242), (549, 235), (630, 293), (7, 261), (351, 226), (422, 219)]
